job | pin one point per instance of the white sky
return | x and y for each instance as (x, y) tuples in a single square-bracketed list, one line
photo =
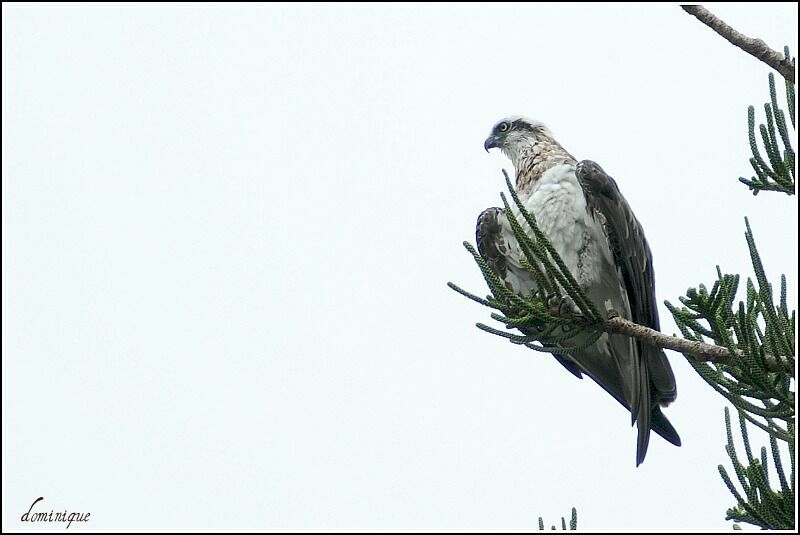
[(227, 234)]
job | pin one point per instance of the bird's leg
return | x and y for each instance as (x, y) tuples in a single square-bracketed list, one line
[(553, 302), (563, 305), (610, 312)]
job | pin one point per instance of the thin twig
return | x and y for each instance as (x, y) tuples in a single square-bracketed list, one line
[(753, 46)]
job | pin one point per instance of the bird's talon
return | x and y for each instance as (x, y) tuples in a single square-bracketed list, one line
[(568, 305), (610, 312)]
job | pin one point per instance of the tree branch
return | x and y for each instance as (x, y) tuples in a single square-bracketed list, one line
[(698, 350), (753, 46)]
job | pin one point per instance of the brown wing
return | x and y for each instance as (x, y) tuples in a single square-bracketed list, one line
[(633, 257)]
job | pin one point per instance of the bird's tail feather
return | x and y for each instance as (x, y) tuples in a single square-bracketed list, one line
[(641, 406), (663, 427)]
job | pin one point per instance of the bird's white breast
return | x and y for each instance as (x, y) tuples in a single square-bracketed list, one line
[(559, 206)]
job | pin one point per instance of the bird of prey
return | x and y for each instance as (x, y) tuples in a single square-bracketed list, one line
[(592, 227)]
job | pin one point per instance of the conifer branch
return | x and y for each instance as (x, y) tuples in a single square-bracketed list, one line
[(700, 351), (753, 46), (573, 523), (615, 324)]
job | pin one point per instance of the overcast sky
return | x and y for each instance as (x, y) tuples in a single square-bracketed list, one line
[(227, 234)]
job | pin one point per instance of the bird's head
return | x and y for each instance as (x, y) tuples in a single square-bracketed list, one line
[(515, 135)]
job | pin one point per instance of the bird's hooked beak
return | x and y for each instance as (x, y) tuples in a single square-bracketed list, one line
[(490, 143)]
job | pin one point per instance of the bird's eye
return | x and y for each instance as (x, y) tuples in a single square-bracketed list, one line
[(504, 127)]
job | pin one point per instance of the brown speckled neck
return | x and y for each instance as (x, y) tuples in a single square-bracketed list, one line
[(532, 161)]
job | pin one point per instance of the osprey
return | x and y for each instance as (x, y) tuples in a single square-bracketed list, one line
[(581, 210)]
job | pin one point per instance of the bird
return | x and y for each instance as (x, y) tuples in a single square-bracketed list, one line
[(593, 228)]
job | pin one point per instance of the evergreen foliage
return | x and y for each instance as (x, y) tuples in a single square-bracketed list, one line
[(761, 505), (779, 173), (763, 396), (759, 329), (573, 522)]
